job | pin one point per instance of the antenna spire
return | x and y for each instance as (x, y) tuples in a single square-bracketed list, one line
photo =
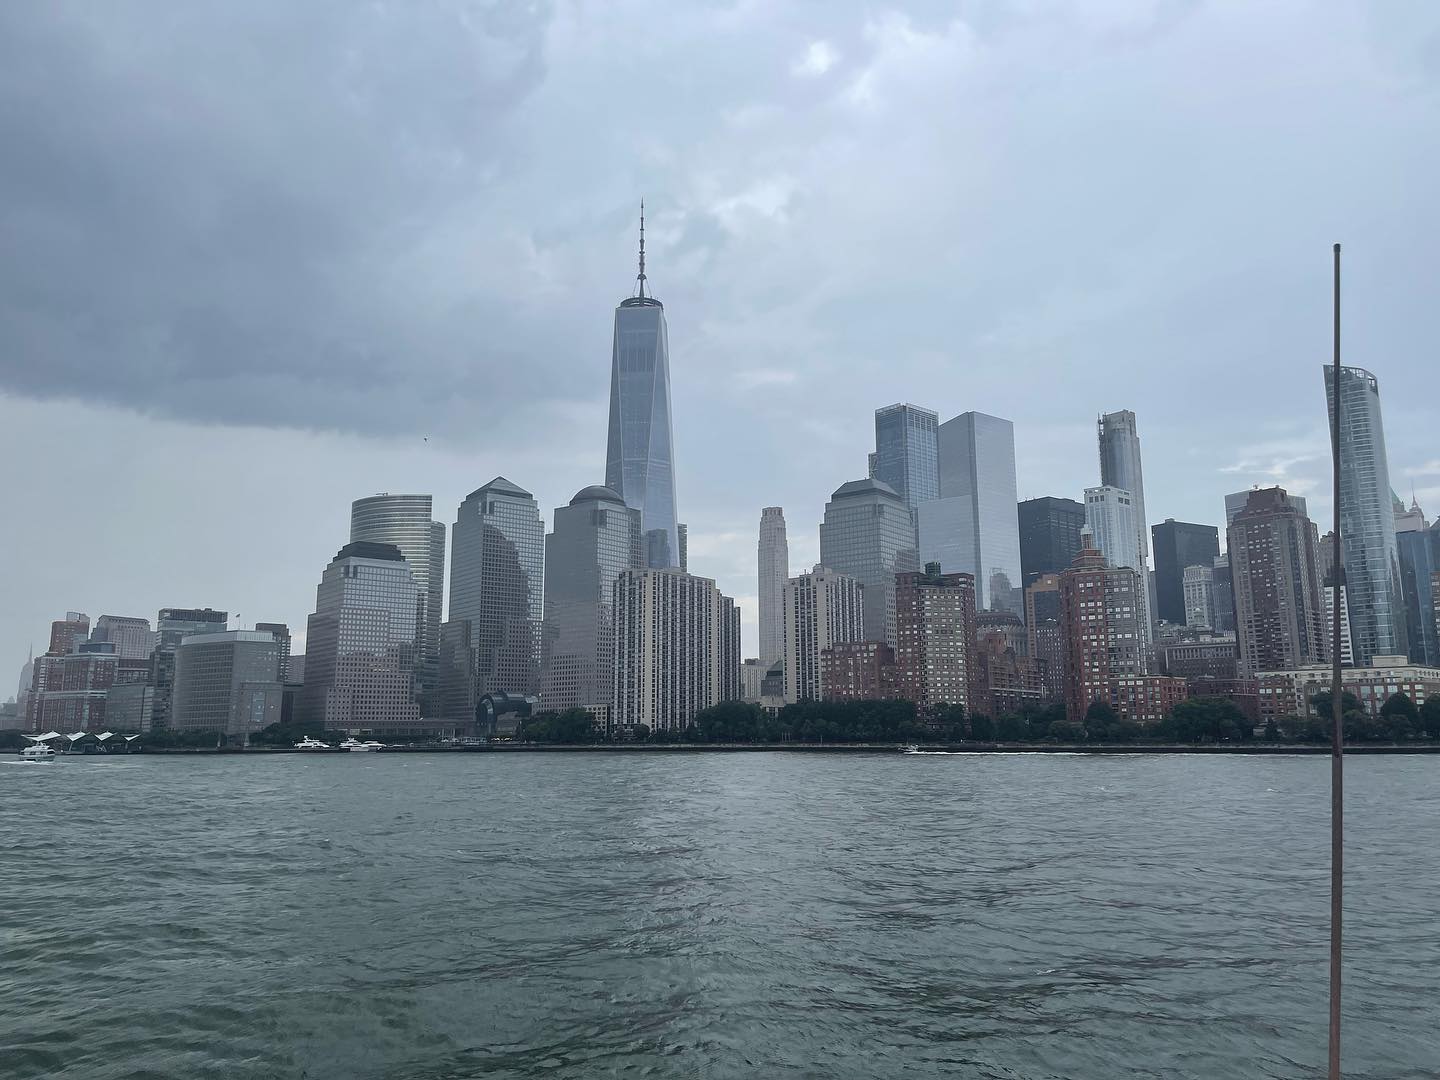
[(641, 278)]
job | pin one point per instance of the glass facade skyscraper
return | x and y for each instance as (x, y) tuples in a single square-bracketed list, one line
[(640, 454), (1367, 519), (868, 535), (1178, 546), (974, 526), (907, 452), (497, 563), (1419, 550), (406, 521), (596, 539), (1049, 535)]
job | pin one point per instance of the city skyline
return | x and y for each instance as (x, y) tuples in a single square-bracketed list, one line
[(788, 366)]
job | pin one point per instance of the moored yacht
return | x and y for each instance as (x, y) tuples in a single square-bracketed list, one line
[(308, 743), (355, 746)]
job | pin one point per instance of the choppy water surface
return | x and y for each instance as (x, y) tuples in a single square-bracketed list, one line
[(710, 915)]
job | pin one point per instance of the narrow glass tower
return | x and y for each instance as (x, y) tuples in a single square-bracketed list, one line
[(640, 459)]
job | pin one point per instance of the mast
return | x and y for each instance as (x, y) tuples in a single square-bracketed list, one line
[(1337, 715)]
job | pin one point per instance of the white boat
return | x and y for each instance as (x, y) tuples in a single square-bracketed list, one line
[(37, 752), (308, 743), (355, 746), (910, 748)]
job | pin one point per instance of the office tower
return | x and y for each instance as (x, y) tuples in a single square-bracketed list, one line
[(406, 522), (281, 633), (596, 538), (1418, 547), (227, 683), (906, 452), (171, 626), (131, 636), (70, 691), (360, 649), (1045, 635), (935, 662), (68, 632), (822, 608), (858, 671), (1279, 620), (1102, 611), (1119, 439), (1111, 516), (129, 707), (640, 456), (1179, 545), (1235, 502), (774, 563), (1049, 535), (973, 528), (682, 531), (1199, 595), (677, 648), (752, 675), (1223, 587), (497, 563), (456, 699), (868, 535), (1367, 519)]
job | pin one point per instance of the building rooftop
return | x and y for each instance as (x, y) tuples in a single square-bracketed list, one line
[(368, 549), (868, 486), (596, 492), (500, 484)]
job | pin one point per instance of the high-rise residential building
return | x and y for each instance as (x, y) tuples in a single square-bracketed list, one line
[(1418, 546), (640, 454), (1347, 645), (68, 632), (868, 535), (1367, 518), (1279, 618), (1199, 590), (906, 452), (406, 522), (227, 683), (497, 564), (1235, 502), (1008, 678), (935, 658), (677, 648), (752, 675), (1102, 610), (130, 635), (822, 608), (1223, 585), (281, 633), (858, 671), (1179, 545), (71, 690), (1112, 516), (360, 650), (973, 528), (596, 539), (1119, 439), (1049, 535), (1046, 636), (774, 567), (171, 626)]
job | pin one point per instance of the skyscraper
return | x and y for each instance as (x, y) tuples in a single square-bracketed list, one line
[(1119, 439), (677, 648), (1045, 634), (68, 632), (227, 683), (935, 657), (1198, 585), (171, 626), (1235, 502), (774, 565), (1367, 519), (1110, 517), (1049, 535), (406, 521), (1418, 546), (596, 538), (1178, 545), (497, 564), (1102, 614), (822, 608), (130, 635), (360, 643), (1279, 621), (973, 528), (640, 456), (1224, 585), (867, 535), (906, 452)]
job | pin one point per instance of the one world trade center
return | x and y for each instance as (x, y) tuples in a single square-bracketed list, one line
[(640, 459)]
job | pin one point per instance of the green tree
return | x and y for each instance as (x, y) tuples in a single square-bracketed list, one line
[(1206, 719), (1012, 727), (1430, 718), (1320, 703), (1400, 716), (1099, 719), (730, 721), (982, 728), (1066, 731)]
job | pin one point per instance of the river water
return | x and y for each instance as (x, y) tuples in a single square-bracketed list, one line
[(711, 915)]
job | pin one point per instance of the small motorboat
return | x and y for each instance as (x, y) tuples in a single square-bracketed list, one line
[(910, 748)]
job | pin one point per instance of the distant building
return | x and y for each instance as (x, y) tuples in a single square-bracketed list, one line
[(1046, 634), (1102, 610), (1178, 546), (906, 452), (1367, 518), (935, 656), (227, 683), (1147, 699), (1201, 655), (1276, 571), (822, 608), (1347, 647), (1120, 467), (1291, 692), (1049, 535), (281, 633), (360, 643), (71, 690), (171, 626), (1223, 592), (130, 635), (858, 671), (497, 567), (1199, 588), (1112, 515), (1236, 501), (68, 632), (1008, 678), (774, 572), (752, 675), (596, 538), (129, 707), (1419, 551), (867, 535), (677, 648), (973, 528)]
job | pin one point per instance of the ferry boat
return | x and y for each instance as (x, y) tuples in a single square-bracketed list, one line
[(308, 743), (355, 746), (37, 752)]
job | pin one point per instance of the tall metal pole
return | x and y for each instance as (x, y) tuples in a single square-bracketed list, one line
[(1337, 717)]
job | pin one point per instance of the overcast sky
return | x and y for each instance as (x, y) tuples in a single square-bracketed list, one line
[(253, 255)]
